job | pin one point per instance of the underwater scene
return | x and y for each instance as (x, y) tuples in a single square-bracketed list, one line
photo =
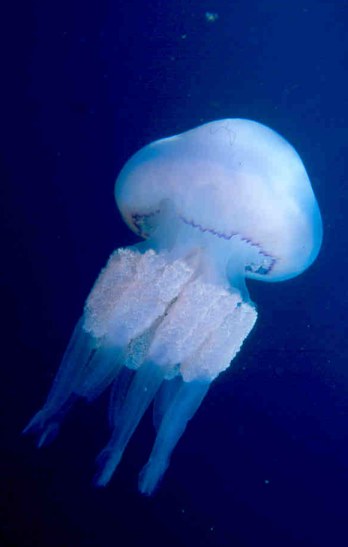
[(175, 234)]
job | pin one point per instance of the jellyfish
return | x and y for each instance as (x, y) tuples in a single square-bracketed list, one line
[(224, 202)]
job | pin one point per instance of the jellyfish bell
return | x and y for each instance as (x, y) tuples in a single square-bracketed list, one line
[(226, 201), (235, 179)]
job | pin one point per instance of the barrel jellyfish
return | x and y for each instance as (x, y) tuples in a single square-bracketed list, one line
[(218, 204)]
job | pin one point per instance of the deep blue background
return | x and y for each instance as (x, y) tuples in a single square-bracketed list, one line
[(83, 86)]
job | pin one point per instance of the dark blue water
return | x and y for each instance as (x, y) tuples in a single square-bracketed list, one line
[(84, 85)]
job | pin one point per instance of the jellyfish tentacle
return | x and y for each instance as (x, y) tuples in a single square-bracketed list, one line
[(222, 343), (100, 372), (142, 390), (119, 390), (183, 406), (132, 293), (199, 307), (164, 398), (45, 423)]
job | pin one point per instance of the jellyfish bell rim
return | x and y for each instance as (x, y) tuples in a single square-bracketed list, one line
[(148, 178)]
